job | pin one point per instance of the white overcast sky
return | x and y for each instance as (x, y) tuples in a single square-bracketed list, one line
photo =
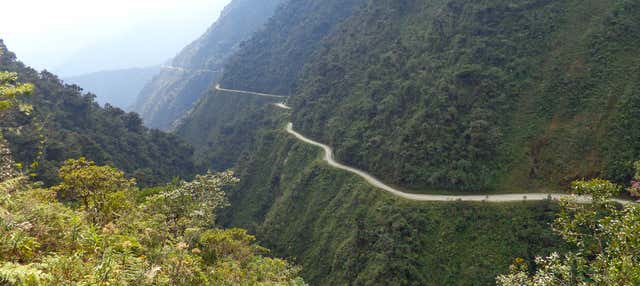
[(45, 33)]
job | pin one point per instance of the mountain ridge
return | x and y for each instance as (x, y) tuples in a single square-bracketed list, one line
[(173, 92), (434, 95), (67, 124)]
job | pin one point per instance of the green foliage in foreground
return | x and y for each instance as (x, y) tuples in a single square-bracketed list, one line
[(606, 238), (108, 238)]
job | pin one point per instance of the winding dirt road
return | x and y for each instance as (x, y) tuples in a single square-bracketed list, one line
[(501, 198), (249, 92), (498, 198)]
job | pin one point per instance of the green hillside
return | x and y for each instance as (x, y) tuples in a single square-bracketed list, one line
[(223, 136), (461, 95), (479, 95), (344, 232), (71, 124), (448, 96), (178, 87), (288, 41), (490, 98)]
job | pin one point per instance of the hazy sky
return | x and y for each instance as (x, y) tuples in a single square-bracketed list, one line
[(47, 33)]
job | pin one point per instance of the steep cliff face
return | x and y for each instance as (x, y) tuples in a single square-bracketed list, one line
[(471, 96), (278, 54), (288, 42), (442, 95), (179, 85), (457, 95), (345, 232)]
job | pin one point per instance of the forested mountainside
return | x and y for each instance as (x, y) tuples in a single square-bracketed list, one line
[(342, 230), (451, 95), (289, 40), (465, 95), (471, 96), (177, 88), (278, 53), (346, 232), (119, 88), (223, 136), (67, 123)]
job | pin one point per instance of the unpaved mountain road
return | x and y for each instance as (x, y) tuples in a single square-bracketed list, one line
[(249, 92), (497, 198)]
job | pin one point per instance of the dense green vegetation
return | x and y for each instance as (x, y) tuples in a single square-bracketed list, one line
[(65, 123), (345, 232), (113, 234), (176, 89), (447, 95), (455, 94), (477, 95), (605, 237), (452, 95), (223, 136), (279, 52), (11, 92)]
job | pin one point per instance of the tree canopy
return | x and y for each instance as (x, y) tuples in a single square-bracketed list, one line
[(10, 89), (606, 238), (111, 233), (59, 121)]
